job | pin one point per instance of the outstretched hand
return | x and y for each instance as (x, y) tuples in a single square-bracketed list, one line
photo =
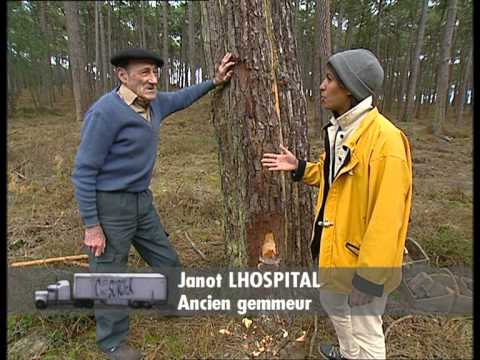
[(285, 161), (224, 71)]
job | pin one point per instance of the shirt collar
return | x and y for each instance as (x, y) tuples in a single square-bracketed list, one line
[(348, 118), (128, 95)]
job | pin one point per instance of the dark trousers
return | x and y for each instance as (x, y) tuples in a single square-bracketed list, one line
[(127, 219)]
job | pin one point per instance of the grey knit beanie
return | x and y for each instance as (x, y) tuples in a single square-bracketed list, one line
[(359, 70)]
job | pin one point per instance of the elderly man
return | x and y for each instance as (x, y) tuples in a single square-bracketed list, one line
[(362, 214), (113, 170)]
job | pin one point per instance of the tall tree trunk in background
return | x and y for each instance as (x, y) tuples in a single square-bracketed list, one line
[(404, 74), (165, 42), (337, 35), (77, 58), (143, 42), (262, 108), (463, 85), (415, 64), (89, 41), (183, 51), (420, 90), (103, 53), (349, 34), (45, 71), (388, 84), (379, 28), (98, 70), (321, 54), (442, 69), (109, 44), (190, 43)]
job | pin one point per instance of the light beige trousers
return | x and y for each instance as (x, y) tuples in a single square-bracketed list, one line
[(359, 328)]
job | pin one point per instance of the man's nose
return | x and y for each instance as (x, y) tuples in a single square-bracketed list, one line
[(153, 79)]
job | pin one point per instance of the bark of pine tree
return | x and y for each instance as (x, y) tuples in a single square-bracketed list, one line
[(379, 28), (261, 108), (404, 74), (442, 69), (46, 70), (463, 87), (337, 35), (322, 52), (190, 56), (165, 42), (98, 63), (109, 44), (77, 58), (349, 34), (415, 64), (143, 41), (103, 51), (391, 60)]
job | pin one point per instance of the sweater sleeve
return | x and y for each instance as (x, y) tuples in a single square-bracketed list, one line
[(170, 102), (96, 138)]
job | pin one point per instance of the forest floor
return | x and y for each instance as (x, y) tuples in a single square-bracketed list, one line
[(43, 221)]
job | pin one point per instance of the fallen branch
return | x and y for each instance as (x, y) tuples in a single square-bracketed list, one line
[(197, 250), (396, 322), (314, 337), (47, 261), (21, 176), (78, 263)]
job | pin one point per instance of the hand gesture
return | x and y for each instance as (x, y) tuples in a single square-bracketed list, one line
[(95, 240), (224, 71), (285, 161)]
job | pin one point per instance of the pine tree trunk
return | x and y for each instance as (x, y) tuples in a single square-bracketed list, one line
[(379, 28), (404, 75), (143, 42), (415, 64), (46, 71), (322, 53), (77, 58), (442, 69), (165, 42), (98, 64), (462, 91), (261, 108), (190, 53), (109, 44), (349, 34), (339, 32), (391, 80), (103, 53)]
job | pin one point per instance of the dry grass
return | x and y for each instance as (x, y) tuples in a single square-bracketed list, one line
[(43, 221)]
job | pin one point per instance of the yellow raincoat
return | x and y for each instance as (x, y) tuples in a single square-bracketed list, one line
[(367, 209)]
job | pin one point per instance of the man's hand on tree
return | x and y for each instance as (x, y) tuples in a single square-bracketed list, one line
[(95, 240), (359, 298), (285, 161), (224, 71)]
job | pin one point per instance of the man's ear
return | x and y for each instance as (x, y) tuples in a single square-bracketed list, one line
[(122, 74)]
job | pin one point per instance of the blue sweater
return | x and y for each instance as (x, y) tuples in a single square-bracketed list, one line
[(118, 147)]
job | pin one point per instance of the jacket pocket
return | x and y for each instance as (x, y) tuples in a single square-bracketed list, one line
[(355, 250)]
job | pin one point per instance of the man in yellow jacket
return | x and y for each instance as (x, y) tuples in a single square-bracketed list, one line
[(364, 178)]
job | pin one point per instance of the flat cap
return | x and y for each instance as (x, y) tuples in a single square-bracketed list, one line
[(121, 58)]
